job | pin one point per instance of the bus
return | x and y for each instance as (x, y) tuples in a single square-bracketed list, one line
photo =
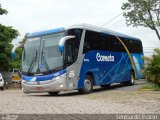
[(79, 57)]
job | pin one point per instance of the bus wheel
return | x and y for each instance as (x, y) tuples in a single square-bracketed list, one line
[(131, 81), (53, 93), (105, 86), (88, 85)]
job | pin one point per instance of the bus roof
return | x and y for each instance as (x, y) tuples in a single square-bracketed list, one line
[(102, 30), (82, 26), (46, 32)]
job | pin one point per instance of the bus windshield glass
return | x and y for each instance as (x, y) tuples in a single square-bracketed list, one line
[(51, 57), (41, 54), (30, 54)]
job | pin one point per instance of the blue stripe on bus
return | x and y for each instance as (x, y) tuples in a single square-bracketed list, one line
[(139, 64), (110, 71), (36, 34), (44, 77)]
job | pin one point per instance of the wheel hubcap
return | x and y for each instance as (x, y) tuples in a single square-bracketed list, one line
[(87, 84), (132, 79)]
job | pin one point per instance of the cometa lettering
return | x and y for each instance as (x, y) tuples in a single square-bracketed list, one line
[(103, 58)]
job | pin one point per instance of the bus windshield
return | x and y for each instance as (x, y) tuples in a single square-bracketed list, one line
[(41, 54)]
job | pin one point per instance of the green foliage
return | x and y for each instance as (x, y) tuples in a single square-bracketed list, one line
[(17, 62), (149, 87), (152, 70), (2, 11), (7, 34), (24, 39), (143, 13)]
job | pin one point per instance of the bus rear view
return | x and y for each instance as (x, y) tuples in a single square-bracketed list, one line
[(79, 57)]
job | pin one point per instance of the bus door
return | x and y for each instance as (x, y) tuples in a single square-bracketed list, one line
[(71, 53)]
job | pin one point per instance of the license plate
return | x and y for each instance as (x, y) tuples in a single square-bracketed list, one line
[(39, 88)]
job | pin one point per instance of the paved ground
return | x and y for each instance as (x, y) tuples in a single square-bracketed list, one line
[(116, 99)]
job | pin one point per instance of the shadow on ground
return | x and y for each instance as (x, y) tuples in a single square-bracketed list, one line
[(96, 89)]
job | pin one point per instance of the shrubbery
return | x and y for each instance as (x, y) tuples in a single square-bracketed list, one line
[(152, 71)]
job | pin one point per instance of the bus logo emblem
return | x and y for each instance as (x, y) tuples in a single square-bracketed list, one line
[(103, 58)]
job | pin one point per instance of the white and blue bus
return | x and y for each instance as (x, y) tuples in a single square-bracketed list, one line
[(79, 57)]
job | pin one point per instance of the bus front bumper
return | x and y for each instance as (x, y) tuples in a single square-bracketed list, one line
[(55, 85)]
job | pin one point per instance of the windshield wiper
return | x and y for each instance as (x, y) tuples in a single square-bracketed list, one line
[(44, 61), (33, 60)]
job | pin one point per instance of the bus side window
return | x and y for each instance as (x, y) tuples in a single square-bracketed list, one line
[(131, 44), (91, 42), (140, 47), (128, 44), (96, 41), (103, 41), (116, 45), (88, 45), (134, 46)]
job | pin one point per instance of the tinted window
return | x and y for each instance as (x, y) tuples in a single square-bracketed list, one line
[(95, 41), (134, 46), (106, 42), (72, 45), (139, 46), (78, 34), (70, 52), (115, 45)]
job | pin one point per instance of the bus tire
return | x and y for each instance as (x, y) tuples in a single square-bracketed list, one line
[(53, 93), (132, 79), (105, 86), (88, 85)]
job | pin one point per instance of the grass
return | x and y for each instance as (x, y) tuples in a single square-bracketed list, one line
[(150, 87)]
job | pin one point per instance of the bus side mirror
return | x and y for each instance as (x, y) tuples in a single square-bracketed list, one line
[(62, 42), (14, 49)]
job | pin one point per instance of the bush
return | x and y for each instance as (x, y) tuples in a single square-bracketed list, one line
[(152, 71)]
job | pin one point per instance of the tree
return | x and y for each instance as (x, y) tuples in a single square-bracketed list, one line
[(24, 39), (17, 62), (152, 71), (7, 34), (143, 13), (2, 11)]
